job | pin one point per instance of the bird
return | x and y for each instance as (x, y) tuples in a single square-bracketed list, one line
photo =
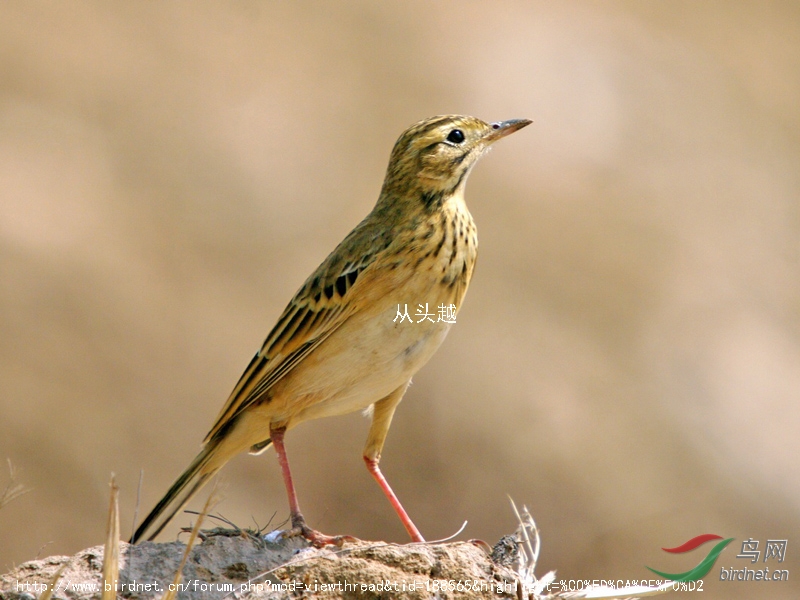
[(346, 342)]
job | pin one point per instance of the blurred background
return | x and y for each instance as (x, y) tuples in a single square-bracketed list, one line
[(626, 364)]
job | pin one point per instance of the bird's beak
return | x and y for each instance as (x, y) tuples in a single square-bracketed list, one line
[(503, 128)]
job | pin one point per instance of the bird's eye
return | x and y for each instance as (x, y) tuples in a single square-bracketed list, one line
[(456, 136)]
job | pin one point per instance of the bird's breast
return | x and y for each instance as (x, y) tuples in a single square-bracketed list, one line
[(406, 308)]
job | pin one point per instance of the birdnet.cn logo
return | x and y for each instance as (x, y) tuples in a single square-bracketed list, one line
[(705, 565)]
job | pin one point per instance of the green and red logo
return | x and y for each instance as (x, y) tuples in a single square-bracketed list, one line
[(705, 565)]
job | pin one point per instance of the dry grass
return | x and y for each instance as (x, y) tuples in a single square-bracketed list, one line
[(48, 592), (111, 554), (533, 588), (13, 489), (211, 501)]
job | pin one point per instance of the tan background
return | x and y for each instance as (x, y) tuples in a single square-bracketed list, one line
[(627, 362)]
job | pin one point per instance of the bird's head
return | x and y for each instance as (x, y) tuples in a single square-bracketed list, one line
[(434, 157)]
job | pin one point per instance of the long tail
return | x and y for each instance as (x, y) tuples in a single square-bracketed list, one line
[(187, 485)]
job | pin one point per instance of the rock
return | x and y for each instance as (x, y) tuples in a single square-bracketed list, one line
[(240, 564)]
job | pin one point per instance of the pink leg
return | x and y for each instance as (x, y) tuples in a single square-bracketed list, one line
[(299, 526), (375, 470)]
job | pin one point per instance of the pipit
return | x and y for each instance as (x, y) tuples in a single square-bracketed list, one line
[(339, 346)]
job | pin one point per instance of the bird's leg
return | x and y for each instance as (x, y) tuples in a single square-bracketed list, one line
[(382, 414), (374, 469), (299, 526)]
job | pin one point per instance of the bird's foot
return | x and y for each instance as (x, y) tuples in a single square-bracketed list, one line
[(317, 539)]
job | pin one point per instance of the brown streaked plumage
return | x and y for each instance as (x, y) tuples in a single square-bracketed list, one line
[(337, 347)]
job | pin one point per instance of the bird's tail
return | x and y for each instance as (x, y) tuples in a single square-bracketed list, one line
[(196, 475)]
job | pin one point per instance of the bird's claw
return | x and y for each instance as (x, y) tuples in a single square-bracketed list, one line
[(317, 539)]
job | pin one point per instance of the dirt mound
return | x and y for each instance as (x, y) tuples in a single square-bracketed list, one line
[(239, 564)]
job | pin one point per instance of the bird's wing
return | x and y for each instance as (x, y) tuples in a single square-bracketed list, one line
[(317, 310)]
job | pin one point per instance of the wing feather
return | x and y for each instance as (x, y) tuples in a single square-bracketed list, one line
[(316, 311)]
